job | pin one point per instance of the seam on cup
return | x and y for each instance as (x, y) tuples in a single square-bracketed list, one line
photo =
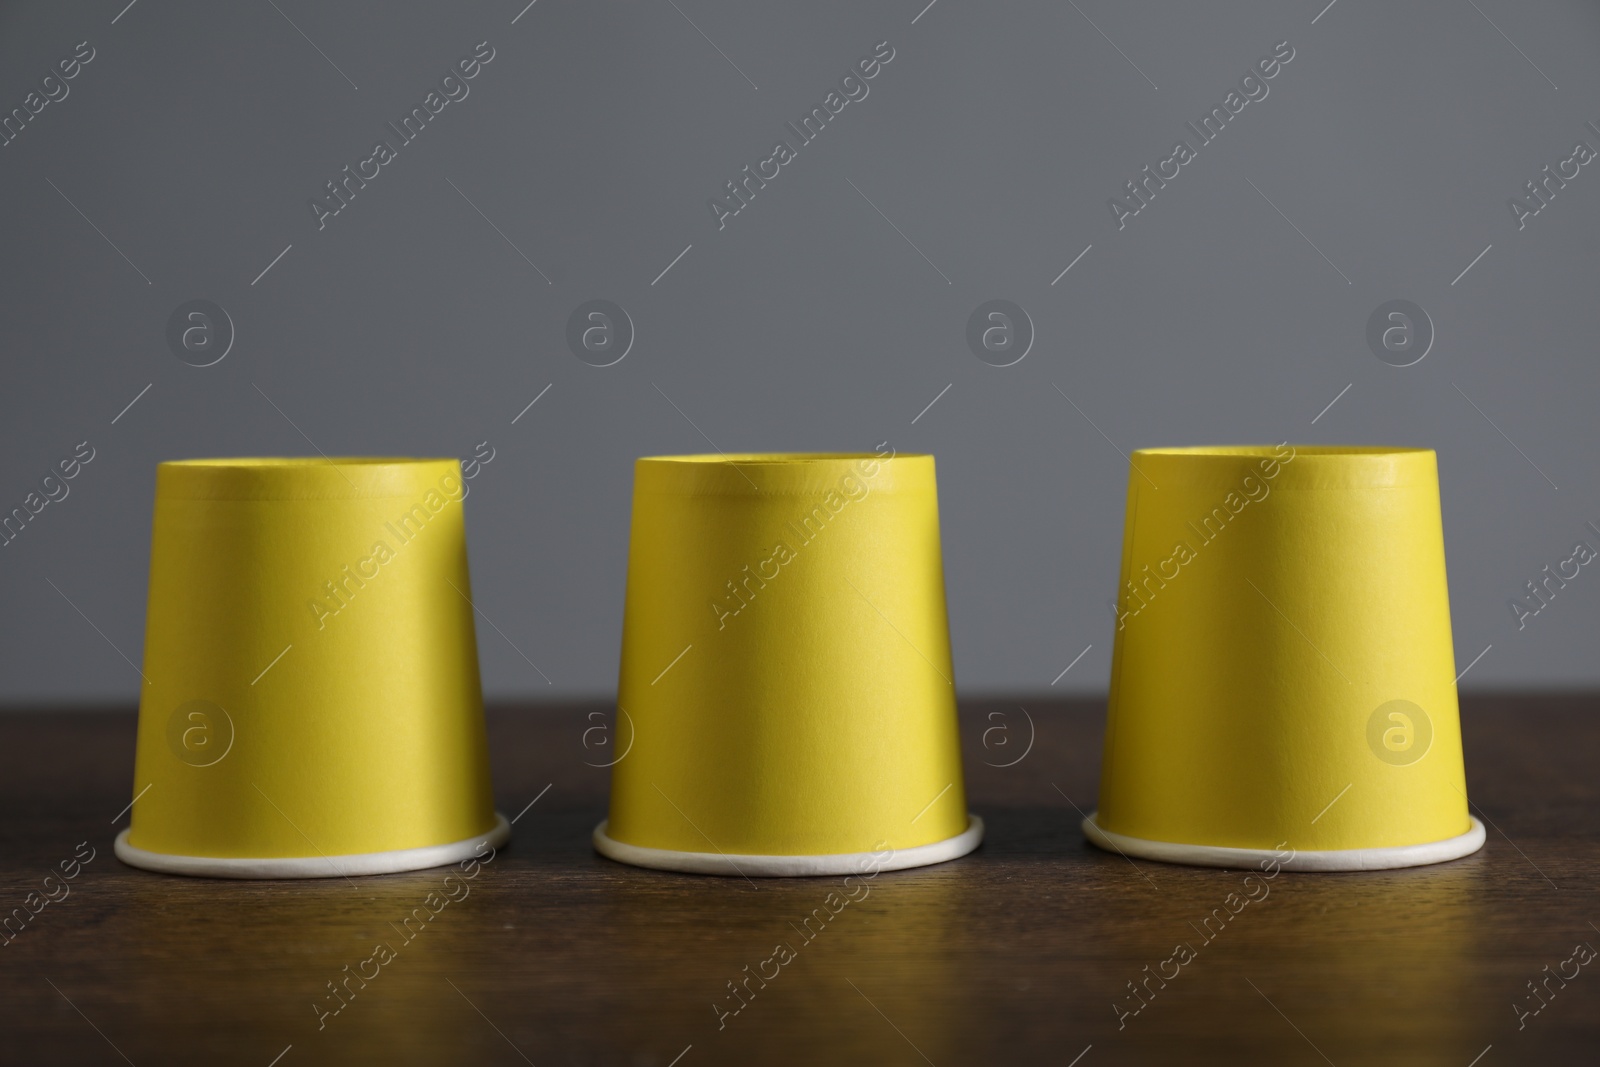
[(1288, 467), (274, 479), (780, 475)]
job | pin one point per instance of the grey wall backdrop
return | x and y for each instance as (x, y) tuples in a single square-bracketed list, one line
[(180, 162)]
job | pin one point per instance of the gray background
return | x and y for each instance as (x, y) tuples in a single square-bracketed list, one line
[(195, 138)]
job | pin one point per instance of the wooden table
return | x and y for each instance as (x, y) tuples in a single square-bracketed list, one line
[(1015, 954)]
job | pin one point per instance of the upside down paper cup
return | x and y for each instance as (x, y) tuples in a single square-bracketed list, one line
[(786, 670), (311, 704), (1283, 677)]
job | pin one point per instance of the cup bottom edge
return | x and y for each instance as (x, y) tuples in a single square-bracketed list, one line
[(1343, 859), (297, 867), (797, 866)]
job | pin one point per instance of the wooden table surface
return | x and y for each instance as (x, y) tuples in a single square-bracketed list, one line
[(1015, 954)]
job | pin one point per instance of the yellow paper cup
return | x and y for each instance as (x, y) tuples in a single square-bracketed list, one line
[(1283, 680), (786, 670), (311, 705)]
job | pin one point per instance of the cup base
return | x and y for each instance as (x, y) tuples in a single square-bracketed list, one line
[(404, 859), (664, 859), (1342, 859)]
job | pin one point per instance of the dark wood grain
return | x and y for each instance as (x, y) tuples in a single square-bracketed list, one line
[(1015, 954)]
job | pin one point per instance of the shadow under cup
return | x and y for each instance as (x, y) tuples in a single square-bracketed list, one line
[(1283, 678), (311, 705)]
